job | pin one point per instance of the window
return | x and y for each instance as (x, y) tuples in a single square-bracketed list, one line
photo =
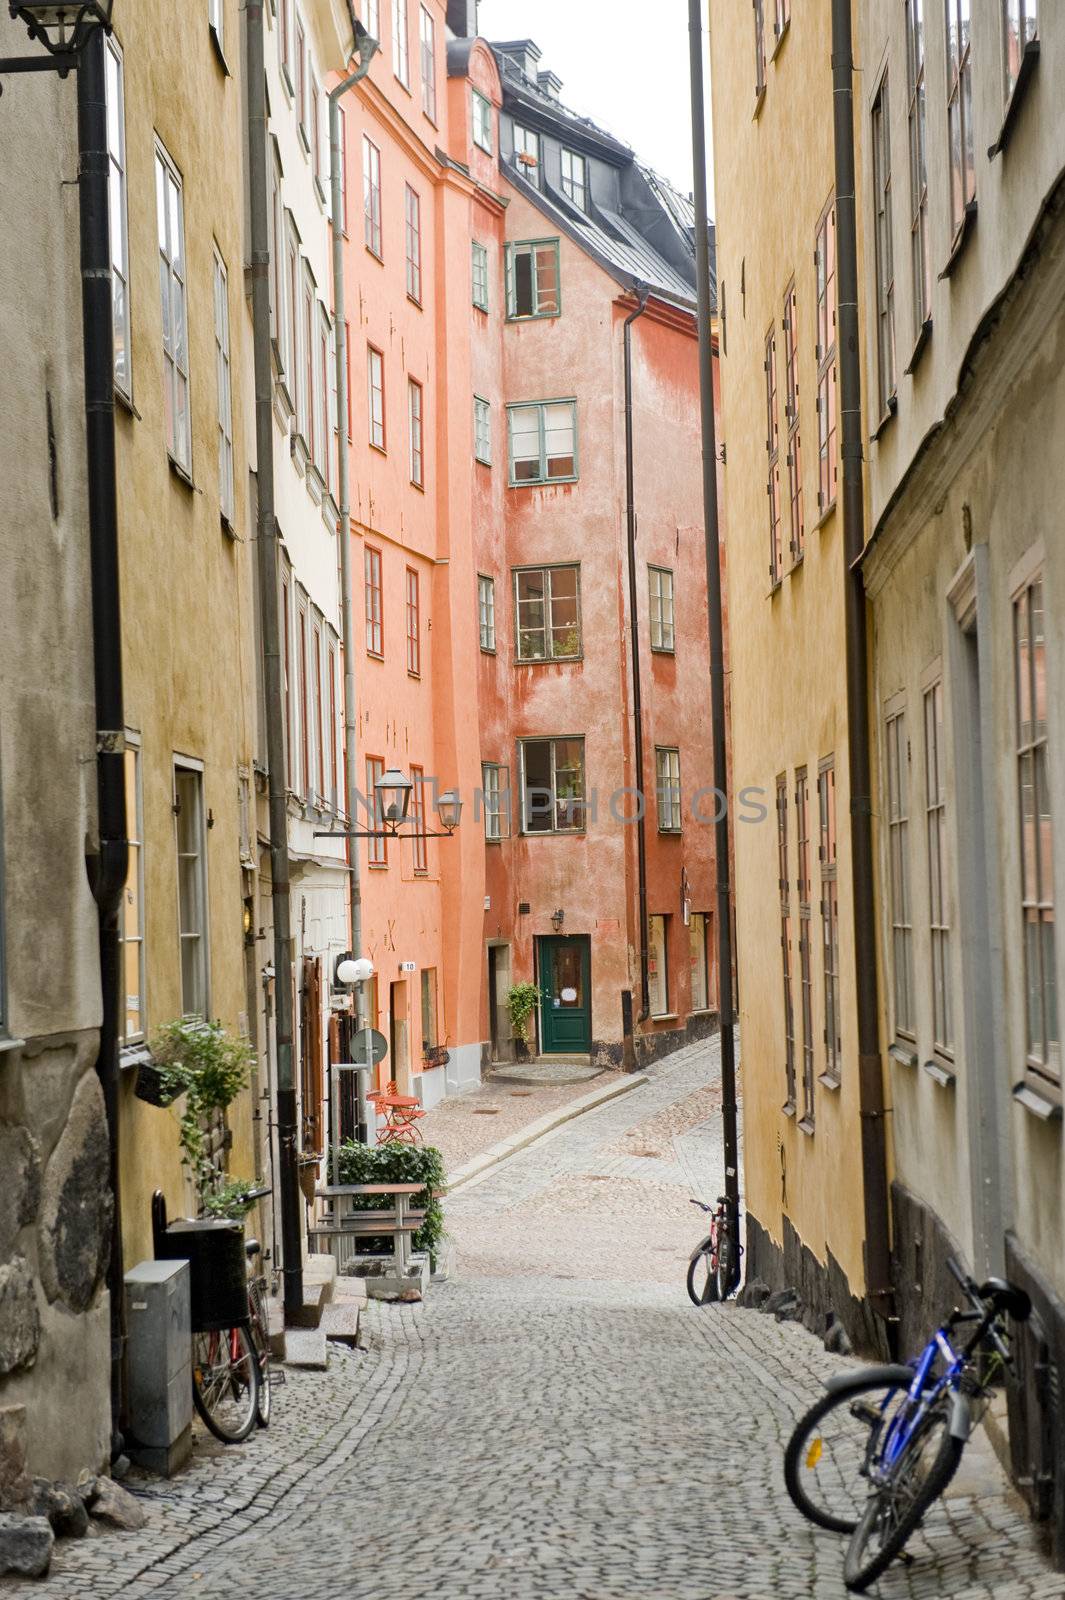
[(698, 940), (401, 42), (301, 82), (479, 270), (533, 279), (826, 796), (225, 396), (527, 153), (286, 681), (371, 194), (131, 921), (277, 263), (486, 612), (1037, 837), (419, 841), (316, 136), (917, 118), (482, 121), (216, 20), (575, 179), (543, 441), (342, 162), (326, 431), (171, 219), (960, 114), (306, 409), (759, 48), (782, 18), (114, 90), (292, 309), (825, 261), (429, 1022), (334, 796), (374, 611), (377, 848), (317, 711), (772, 445), (667, 785), (427, 38), (936, 830), (660, 580), (414, 639), (898, 782), (785, 939), (1021, 18), (482, 430), (495, 785), (884, 250), (372, 18), (375, 364), (191, 840), (790, 326), (658, 965), (552, 785), (414, 244), (302, 695), (802, 840), (414, 419), (284, 42), (547, 603)]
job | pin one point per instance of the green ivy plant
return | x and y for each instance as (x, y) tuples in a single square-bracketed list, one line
[(399, 1163), (521, 1002), (230, 1201), (210, 1067)]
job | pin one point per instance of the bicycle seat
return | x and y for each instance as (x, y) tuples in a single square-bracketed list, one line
[(1007, 1297), (252, 1247)]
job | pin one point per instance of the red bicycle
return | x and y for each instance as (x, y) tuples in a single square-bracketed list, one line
[(713, 1271)]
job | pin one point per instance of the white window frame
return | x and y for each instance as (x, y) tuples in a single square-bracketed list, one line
[(371, 197), (481, 120), (667, 788), (119, 219), (883, 247), (427, 54), (663, 620), (544, 304), (216, 19), (553, 741), (938, 870), (658, 964), (412, 207), (496, 810), (486, 612), (188, 767), (401, 42), (375, 366), (226, 486), (575, 178), (416, 431), (1036, 901), (173, 264), (527, 142), (482, 430), (899, 877), (917, 133), (479, 274), (545, 475)]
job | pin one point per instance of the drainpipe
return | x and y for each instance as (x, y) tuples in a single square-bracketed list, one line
[(108, 871), (870, 1070), (716, 627), (640, 291), (367, 47), (270, 632)]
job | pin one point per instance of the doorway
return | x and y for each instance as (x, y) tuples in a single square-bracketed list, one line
[(564, 967), (499, 1030), (399, 1036)]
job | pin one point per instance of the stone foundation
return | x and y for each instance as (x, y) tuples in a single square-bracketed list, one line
[(823, 1290)]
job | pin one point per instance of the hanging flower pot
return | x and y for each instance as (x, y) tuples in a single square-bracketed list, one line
[(310, 1167), (156, 1085)]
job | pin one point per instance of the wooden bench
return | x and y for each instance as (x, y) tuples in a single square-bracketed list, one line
[(339, 1233)]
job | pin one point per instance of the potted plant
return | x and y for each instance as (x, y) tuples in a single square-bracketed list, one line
[(521, 1002), (210, 1067), (309, 1168)]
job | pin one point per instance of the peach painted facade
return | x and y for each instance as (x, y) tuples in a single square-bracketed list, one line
[(442, 685)]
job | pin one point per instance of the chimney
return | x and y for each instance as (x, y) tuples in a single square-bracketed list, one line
[(524, 53), (549, 84), (462, 18)]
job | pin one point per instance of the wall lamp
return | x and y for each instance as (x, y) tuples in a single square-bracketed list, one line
[(62, 26), (392, 791), (557, 919)]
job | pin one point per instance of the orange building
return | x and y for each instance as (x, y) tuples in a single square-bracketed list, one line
[(502, 253)]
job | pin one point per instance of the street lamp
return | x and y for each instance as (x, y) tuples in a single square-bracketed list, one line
[(62, 26), (392, 793), (393, 790), (449, 810)]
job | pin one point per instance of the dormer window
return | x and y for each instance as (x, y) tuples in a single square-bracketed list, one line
[(527, 153), (575, 179), (482, 122)]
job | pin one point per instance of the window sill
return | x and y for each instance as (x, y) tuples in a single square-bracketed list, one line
[(181, 473), (219, 52), (531, 316), (823, 518), (830, 1080), (320, 187), (789, 1108), (133, 1055), (920, 346), (961, 239), (488, 649), (759, 102), (663, 650), (8, 1043), (377, 866), (415, 675), (541, 483), (904, 1054), (552, 833), (481, 462), (376, 655), (286, 79), (228, 529), (664, 1016), (1039, 1102), (380, 448), (780, 37), (775, 586), (1024, 72), (414, 300), (889, 416), (378, 257), (940, 1073), (305, 139), (124, 402), (798, 560), (548, 661), (669, 833), (805, 1125), (416, 485)]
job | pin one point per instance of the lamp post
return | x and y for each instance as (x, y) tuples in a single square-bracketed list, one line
[(392, 794), (64, 29)]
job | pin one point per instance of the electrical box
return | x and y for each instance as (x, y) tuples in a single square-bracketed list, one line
[(159, 1365)]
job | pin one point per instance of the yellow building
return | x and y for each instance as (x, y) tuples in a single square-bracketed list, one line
[(184, 524), (814, 1129)]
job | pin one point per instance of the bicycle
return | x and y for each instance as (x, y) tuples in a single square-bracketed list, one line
[(900, 1430), (231, 1378), (713, 1270)]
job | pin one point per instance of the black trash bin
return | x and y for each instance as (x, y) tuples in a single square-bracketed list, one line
[(218, 1273)]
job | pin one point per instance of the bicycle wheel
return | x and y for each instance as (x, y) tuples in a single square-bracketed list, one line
[(826, 1462), (260, 1338), (702, 1274), (926, 1465), (225, 1382)]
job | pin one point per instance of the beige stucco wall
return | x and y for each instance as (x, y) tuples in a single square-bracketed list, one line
[(774, 172)]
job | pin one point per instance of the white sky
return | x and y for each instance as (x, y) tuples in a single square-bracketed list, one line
[(623, 63)]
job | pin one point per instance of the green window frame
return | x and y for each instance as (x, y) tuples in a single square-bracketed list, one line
[(552, 784), (547, 613), (482, 121), (542, 442), (667, 785), (479, 274), (533, 279)]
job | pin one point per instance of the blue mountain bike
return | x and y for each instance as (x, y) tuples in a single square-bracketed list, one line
[(875, 1452)]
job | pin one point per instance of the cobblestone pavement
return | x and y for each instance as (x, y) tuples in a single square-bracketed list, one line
[(465, 1124), (556, 1423)]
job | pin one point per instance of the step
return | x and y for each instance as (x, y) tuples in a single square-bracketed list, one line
[(276, 1316), (349, 1289), (316, 1296), (306, 1348), (321, 1269), (340, 1321)]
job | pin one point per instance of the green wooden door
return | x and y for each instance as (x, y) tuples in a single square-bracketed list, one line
[(566, 1007)]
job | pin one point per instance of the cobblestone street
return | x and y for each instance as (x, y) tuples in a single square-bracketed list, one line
[(555, 1423)]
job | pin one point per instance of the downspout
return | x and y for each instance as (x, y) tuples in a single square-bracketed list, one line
[(270, 633), (716, 628), (878, 1268), (108, 871), (367, 47), (640, 291)]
